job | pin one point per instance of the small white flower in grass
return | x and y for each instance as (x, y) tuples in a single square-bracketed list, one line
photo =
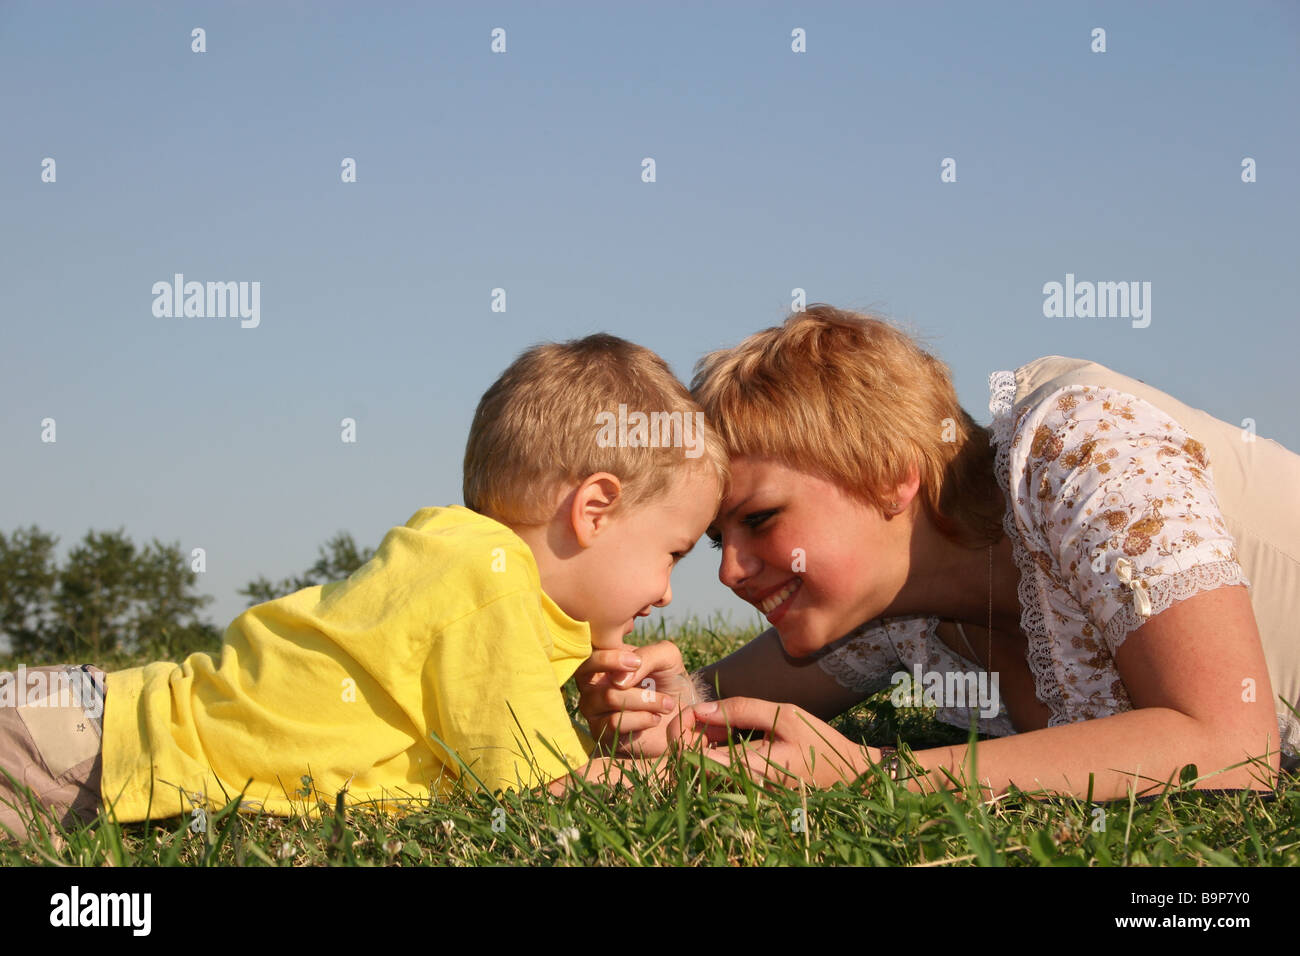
[(285, 851), (393, 847), (566, 837)]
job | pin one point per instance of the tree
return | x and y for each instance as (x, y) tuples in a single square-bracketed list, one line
[(94, 594), (27, 578), (338, 558), (111, 596), (164, 620), (108, 597)]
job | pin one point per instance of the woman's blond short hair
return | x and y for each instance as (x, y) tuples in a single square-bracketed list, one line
[(542, 425), (854, 400)]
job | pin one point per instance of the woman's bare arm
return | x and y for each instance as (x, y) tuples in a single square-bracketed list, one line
[(1201, 693)]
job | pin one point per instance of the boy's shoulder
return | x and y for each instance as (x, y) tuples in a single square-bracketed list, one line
[(461, 534), (472, 561), (461, 553), (442, 568), (462, 522)]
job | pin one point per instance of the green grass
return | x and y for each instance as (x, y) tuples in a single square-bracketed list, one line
[(724, 820)]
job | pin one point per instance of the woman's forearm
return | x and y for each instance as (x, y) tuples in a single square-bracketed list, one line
[(762, 669), (1138, 749)]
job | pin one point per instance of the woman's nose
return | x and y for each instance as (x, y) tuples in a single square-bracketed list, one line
[(736, 567)]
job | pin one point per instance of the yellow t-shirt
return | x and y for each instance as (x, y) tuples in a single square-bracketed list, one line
[(444, 632)]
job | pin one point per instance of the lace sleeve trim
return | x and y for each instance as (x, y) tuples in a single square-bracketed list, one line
[(1168, 591), (850, 677), (842, 661)]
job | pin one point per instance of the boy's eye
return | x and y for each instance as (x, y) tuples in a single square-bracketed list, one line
[(715, 539)]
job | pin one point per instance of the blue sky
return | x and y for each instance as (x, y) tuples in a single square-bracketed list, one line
[(522, 170)]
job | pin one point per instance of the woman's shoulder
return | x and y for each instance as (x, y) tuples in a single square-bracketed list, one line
[(1022, 396), (1068, 414), (1060, 383), (1015, 392)]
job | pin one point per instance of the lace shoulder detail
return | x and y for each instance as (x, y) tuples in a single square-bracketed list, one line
[(864, 659), (908, 653), (1048, 684), (1002, 397)]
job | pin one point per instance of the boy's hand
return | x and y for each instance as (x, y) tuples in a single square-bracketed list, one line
[(633, 693)]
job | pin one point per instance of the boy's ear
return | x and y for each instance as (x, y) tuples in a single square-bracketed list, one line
[(593, 505)]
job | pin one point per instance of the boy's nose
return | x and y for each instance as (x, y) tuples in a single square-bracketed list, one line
[(667, 598)]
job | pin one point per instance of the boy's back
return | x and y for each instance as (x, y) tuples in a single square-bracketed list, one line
[(445, 631)]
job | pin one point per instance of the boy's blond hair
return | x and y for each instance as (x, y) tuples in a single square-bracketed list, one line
[(539, 427), (850, 398)]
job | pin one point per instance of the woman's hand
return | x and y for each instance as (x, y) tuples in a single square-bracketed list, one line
[(795, 747), (619, 696)]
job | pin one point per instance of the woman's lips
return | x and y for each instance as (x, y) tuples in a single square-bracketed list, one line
[(774, 606)]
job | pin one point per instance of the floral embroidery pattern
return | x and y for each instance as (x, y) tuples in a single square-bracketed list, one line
[(1113, 518)]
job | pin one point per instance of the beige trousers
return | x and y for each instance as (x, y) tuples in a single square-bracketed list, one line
[(51, 722)]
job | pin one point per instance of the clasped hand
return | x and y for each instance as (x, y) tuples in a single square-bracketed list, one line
[(620, 698)]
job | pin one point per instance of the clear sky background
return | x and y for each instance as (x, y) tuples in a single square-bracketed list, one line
[(522, 170)]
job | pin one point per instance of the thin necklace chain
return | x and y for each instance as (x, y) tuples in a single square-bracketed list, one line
[(988, 653), (988, 665)]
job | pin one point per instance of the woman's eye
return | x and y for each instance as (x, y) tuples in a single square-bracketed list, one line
[(751, 521)]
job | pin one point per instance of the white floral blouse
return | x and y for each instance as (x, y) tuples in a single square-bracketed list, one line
[(1112, 519)]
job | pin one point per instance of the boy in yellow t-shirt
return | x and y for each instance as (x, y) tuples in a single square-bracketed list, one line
[(588, 474)]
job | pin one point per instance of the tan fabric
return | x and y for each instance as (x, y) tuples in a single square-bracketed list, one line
[(49, 744), (1257, 484)]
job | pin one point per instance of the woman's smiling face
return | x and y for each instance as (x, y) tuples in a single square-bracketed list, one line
[(812, 558)]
